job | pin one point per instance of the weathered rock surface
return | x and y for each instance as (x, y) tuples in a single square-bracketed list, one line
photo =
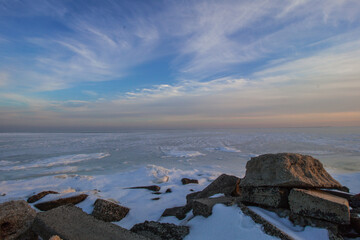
[(287, 170), (185, 181), (226, 184), (320, 205), (45, 206), (160, 231), (108, 211), (265, 196), (71, 223), (204, 206), (16, 218), (268, 227), (355, 201), (355, 221), (154, 188), (39, 196), (338, 193)]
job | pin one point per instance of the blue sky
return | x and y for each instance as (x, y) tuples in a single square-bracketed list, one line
[(175, 64)]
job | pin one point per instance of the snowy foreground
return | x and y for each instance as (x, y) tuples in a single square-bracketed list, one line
[(224, 223)]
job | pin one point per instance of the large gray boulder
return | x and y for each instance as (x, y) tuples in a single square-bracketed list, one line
[(265, 196), (320, 205), (160, 231), (16, 218), (287, 170), (109, 212), (71, 223)]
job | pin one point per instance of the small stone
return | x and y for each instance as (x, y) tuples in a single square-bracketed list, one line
[(160, 231), (16, 218), (3, 194), (188, 181), (168, 190), (154, 199), (39, 196), (45, 206), (156, 193), (178, 212), (154, 188), (191, 190), (108, 211)]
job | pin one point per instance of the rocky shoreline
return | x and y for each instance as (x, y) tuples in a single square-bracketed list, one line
[(291, 185)]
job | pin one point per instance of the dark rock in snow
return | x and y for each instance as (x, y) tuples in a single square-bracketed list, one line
[(160, 231), (39, 196), (178, 212), (108, 211), (154, 199), (45, 206), (188, 181), (203, 206), (154, 188), (168, 190)]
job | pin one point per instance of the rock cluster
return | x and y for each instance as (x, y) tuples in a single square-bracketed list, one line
[(296, 185)]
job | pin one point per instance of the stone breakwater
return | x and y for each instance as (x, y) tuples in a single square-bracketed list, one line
[(291, 185)]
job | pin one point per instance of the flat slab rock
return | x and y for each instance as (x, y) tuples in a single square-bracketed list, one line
[(160, 231), (16, 218), (39, 196), (108, 211), (320, 205), (71, 223), (287, 170), (45, 206)]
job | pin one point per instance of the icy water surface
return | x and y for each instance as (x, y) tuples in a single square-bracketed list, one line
[(27, 155)]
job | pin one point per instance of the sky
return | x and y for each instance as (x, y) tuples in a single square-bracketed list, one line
[(102, 65)]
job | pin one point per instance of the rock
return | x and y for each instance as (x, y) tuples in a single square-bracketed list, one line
[(3, 194), (203, 206), (156, 193), (226, 184), (320, 205), (313, 222), (338, 193), (168, 190), (70, 222), (188, 181), (39, 196), (154, 188), (160, 231), (268, 227), (108, 211), (156, 198), (355, 221), (16, 218), (265, 196), (45, 206), (355, 201), (287, 170), (178, 212)]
